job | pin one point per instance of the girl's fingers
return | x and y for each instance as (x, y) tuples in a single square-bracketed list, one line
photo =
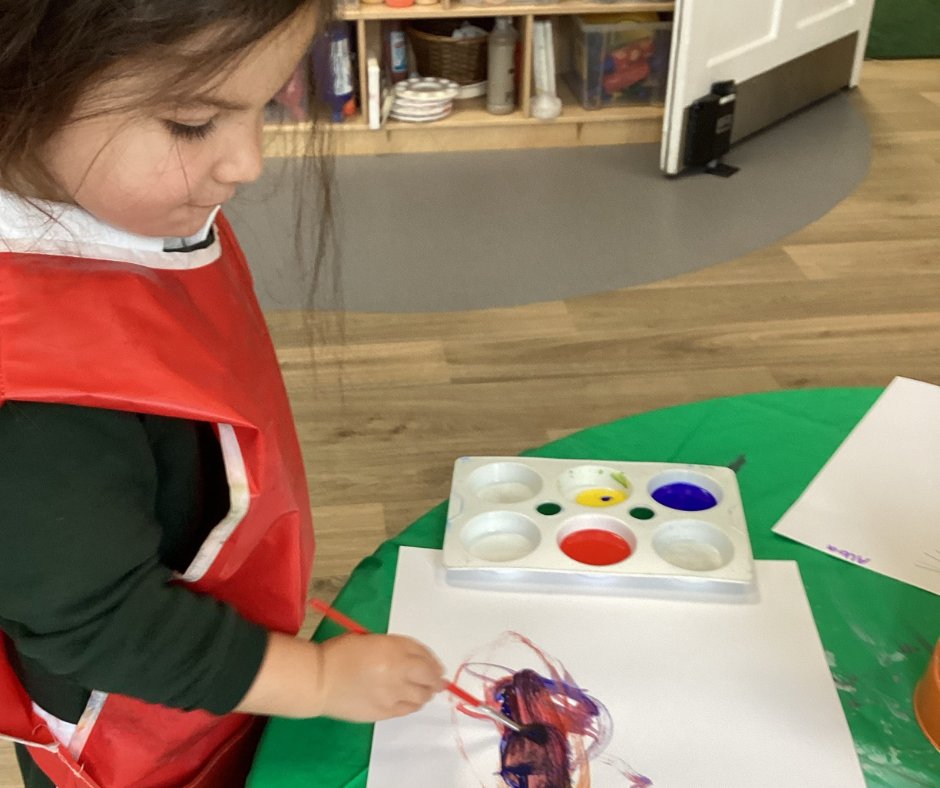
[(404, 700), (403, 707), (421, 651), (424, 673)]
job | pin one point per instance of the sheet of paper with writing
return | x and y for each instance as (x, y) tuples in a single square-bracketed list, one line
[(699, 694), (876, 502)]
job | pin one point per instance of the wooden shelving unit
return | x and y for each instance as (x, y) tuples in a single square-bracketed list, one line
[(378, 11), (470, 126)]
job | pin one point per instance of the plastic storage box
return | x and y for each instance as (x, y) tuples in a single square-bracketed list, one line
[(619, 59)]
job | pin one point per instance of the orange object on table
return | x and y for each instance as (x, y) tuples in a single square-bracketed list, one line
[(927, 699), (399, 3)]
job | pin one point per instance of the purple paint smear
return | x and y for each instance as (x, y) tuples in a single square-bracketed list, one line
[(577, 727)]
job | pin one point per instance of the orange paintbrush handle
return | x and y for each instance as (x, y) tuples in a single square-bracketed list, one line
[(354, 626)]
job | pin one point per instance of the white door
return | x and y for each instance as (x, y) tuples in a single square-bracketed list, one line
[(717, 40)]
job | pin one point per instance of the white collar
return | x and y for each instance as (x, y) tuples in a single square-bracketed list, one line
[(53, 228)]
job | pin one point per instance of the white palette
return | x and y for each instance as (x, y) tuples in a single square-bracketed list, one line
[(424, 99), (593, 526)]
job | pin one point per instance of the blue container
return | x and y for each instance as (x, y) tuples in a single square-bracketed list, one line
[(333, 72)]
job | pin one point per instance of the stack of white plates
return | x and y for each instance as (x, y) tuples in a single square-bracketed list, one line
[(423, 99)]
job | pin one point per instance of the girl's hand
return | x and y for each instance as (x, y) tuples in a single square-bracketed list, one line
[(365, 678), (354, 677)]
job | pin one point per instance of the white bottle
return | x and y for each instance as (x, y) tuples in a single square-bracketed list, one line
[(501, 68)]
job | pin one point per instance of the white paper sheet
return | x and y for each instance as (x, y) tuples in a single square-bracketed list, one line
[(702, 695), (876, 502)]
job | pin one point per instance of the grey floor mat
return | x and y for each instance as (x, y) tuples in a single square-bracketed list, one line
[(453, 231)]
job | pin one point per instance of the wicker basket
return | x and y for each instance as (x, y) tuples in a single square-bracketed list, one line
[(438, 55)]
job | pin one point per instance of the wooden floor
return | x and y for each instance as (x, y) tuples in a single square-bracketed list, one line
[(853, 299)]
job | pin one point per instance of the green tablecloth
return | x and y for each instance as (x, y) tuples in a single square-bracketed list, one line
[(878, 632)]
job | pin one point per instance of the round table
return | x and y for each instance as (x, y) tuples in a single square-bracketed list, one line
[(878, 633)]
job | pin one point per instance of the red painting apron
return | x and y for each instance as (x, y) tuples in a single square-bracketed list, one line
[(187, 341)]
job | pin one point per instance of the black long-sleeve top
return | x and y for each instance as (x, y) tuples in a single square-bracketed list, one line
[(97, 509)]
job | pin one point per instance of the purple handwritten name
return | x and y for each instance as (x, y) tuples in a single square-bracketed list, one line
[(854, 557)]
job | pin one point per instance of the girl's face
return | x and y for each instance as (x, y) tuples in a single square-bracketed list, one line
[(161, 172)]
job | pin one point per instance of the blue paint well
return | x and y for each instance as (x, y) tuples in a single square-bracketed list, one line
[(684, 496)]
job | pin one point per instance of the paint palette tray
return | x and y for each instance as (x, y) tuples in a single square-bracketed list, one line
[(593, 526)]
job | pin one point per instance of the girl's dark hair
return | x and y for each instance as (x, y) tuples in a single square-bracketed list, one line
[(54, 51)]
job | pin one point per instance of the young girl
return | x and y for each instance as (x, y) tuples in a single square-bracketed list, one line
[(155, 544)]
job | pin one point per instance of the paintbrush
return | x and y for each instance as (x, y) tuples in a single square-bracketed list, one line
[(536, 733)]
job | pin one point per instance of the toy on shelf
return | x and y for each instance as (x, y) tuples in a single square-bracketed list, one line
[(627, 65), (619, 58)]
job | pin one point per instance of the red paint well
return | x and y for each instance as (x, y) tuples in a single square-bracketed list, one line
[(596, 547)]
